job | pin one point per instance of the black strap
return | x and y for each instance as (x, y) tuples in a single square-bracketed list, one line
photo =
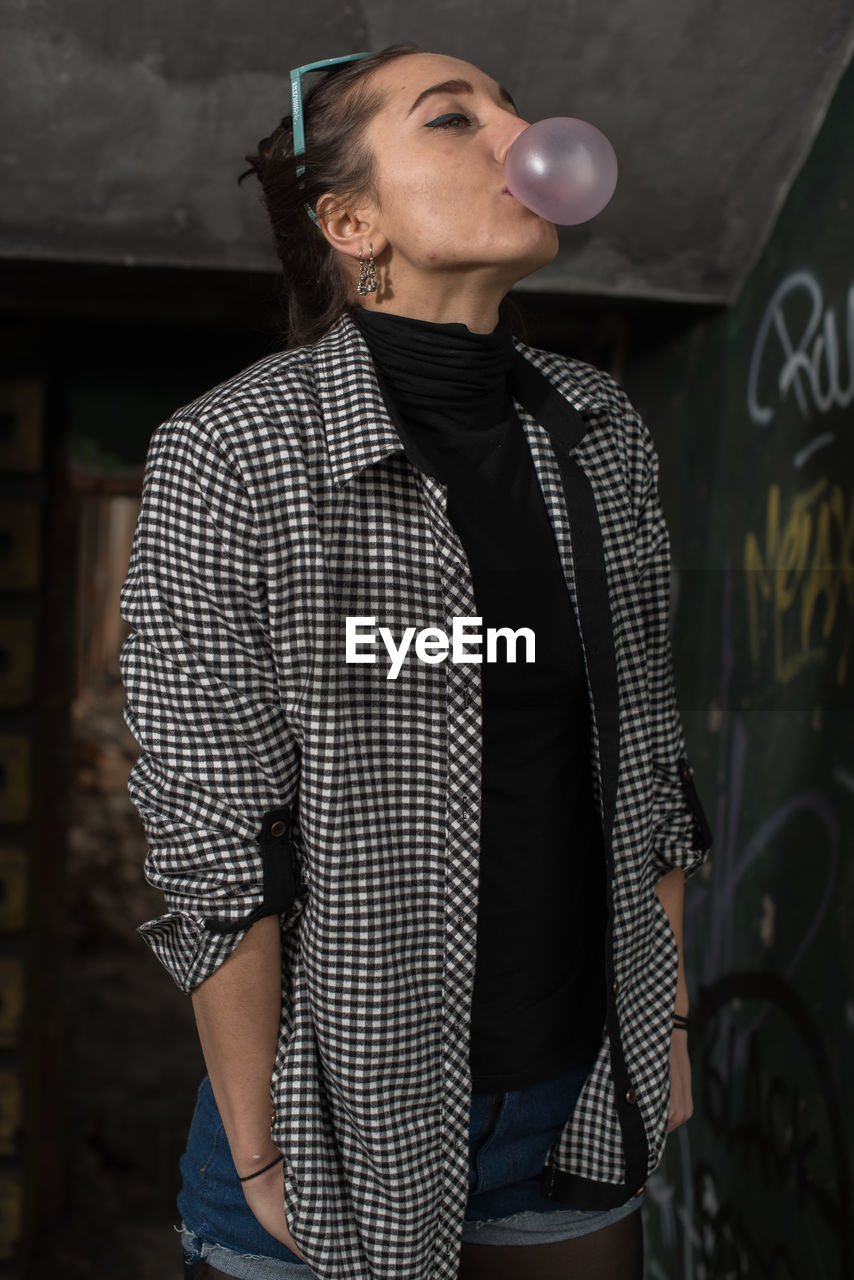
[(281, 871), (566, 427)]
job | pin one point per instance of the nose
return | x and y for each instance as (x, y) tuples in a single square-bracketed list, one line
[(512, 127)]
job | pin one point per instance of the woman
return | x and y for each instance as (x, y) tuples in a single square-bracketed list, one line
[(425, 890)]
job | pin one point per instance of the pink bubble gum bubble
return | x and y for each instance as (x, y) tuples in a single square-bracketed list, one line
[(563, 169)]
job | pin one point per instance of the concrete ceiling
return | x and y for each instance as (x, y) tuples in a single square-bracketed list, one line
[(125, 124)]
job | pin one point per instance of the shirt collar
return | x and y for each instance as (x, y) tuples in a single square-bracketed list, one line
[(359, 429)]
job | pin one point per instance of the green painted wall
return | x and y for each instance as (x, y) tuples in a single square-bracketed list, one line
[(753, 413)]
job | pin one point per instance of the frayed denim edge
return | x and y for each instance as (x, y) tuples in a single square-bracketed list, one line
[(201, 1249)]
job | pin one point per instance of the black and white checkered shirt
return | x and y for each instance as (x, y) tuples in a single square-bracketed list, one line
[(275, 507)]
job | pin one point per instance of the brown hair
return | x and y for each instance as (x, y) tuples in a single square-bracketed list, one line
[(318, 289)]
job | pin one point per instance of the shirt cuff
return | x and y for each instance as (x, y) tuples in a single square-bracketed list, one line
[(186, 948)]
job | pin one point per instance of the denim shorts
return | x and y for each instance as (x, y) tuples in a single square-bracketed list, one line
[(509, 1136)]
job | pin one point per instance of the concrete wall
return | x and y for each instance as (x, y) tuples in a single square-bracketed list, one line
[(125, 125)]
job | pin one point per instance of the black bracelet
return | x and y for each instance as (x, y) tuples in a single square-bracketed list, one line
[(258, 1172), (680, 1022)]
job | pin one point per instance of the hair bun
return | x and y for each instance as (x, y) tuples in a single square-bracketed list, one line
[(258, 162), (254, 163)]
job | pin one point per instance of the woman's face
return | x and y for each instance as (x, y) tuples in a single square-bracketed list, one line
[(439, 144)]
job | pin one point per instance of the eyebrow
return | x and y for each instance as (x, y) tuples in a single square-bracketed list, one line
[(457, 86)]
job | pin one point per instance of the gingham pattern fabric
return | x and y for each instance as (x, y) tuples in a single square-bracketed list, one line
[(275, 507)]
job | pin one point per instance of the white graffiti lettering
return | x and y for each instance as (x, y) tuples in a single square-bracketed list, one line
[(811, 363)]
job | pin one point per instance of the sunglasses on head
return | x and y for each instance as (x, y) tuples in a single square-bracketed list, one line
[(297, 114)]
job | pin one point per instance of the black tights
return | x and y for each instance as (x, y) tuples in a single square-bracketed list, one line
[(612, 1253)]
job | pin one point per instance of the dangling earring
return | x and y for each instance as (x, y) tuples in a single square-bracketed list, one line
[(367, 273)]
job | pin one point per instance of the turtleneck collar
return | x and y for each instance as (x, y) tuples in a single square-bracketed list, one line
[(444, 369)]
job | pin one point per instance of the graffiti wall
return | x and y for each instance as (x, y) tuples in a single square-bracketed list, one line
[(754, 414)]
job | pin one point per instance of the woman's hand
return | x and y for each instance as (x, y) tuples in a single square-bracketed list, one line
[(237, 1012), (266, 1198), (670, 891), (681, 1103)]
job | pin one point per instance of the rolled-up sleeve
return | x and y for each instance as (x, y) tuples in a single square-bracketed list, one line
[(219, 767), (682, 837)]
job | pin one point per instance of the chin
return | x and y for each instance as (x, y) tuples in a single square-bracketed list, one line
[(540, 253), (552, 242)]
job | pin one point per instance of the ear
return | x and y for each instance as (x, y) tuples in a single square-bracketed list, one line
[(350, 224)]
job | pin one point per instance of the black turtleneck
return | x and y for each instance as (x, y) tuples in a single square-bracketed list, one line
[(538, 1001)]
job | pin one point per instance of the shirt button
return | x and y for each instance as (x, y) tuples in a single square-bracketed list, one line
[(631, 1096), (615, 986), (278, 829), (460, 919)]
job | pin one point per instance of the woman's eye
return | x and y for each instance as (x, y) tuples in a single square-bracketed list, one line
[(453, 119)]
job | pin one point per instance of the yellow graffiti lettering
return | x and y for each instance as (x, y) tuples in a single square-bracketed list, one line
[(805, 576)]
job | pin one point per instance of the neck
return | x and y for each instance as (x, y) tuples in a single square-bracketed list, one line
[(470, 299), (442, 377)]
